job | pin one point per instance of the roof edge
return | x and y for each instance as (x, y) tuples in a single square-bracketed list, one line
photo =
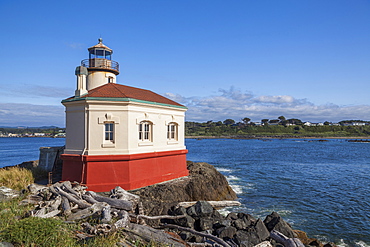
[(121, 99)]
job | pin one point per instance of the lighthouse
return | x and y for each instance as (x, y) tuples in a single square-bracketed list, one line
[(117, 135)]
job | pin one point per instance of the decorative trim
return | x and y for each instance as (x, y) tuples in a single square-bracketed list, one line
[(122, 100), (124, 157)]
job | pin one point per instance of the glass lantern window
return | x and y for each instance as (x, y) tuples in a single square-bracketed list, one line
[(100, 54)]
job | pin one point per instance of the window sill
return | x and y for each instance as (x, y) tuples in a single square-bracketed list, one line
[(108, 145), (172, 142), (145, 143)]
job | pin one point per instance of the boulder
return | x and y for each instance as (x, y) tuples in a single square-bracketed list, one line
[(200, 209), (226, 232), (205, 224), (275, 222), (246, 238), (253, 235), (204, 183)]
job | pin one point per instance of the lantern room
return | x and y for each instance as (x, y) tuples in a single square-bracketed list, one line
[(102, 69)]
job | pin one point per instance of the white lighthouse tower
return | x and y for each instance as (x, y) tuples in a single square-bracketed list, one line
[(119, 135)]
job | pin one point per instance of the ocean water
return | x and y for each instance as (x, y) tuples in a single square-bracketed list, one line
[(322, 188), (14, 151)]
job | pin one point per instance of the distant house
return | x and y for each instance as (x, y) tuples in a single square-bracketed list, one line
[(353, 124), (312, 124), (39, 134)]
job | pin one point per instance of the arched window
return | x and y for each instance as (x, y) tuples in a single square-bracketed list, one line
[(172, 131), (145, 131)]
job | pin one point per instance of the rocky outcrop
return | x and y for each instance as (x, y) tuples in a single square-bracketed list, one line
[(203, 183)]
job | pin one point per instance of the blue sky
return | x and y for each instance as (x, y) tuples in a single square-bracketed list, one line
[(222, 59)]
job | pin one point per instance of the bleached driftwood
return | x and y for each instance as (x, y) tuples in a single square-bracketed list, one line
[(106, 214), (123, 221), (287, 242), (214, 204), (66, 206), (205, 235), (89, 198), (84, 213), (122, 194), (81, 203), (116, 203)]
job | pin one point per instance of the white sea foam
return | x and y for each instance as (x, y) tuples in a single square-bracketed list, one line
[(224, 170), (225, 211), (362, 244), (237, 188), (232, 178), (342, 244)]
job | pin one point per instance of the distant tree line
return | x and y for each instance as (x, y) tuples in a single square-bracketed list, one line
[(280, 127), (31, 130)]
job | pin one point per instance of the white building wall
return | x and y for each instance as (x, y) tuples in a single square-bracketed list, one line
[(75, 128), (99, 78), (126, 117)]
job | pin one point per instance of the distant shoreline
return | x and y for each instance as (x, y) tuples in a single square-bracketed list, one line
[(277, 137)]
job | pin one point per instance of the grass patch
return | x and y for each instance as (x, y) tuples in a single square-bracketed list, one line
[(34, 231), (16, 178)]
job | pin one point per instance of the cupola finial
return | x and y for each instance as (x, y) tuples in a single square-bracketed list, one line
[(100, 40)]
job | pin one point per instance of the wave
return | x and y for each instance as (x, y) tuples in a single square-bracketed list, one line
[(232, 178), (362, 244), (237, 188), (224, 170)]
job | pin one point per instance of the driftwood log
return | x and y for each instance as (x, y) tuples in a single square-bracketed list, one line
[(116, 203), (84, 213), (205, 235), (287, 242), (214, 204)]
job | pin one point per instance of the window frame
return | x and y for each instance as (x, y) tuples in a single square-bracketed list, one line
[(145, 131), (109, 132), (172, 131)]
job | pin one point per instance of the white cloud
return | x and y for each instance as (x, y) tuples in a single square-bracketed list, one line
[(15, 114), (36, 91), (235, 104)]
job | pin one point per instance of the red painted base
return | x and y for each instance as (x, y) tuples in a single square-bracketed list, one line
[(104, 172)]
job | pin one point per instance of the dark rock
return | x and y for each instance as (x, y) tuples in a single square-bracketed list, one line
[(216, 216), (200, 209), (177, 211), (275, 222), (246, 238), (205, 224), (187, 221), (227, 232), (248, 219), (221, 223), (232, 216), (253, 235), (261, 230), (243, 221), (240, 224)]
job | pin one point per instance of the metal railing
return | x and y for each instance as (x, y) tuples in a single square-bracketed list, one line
[(100, 63)]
